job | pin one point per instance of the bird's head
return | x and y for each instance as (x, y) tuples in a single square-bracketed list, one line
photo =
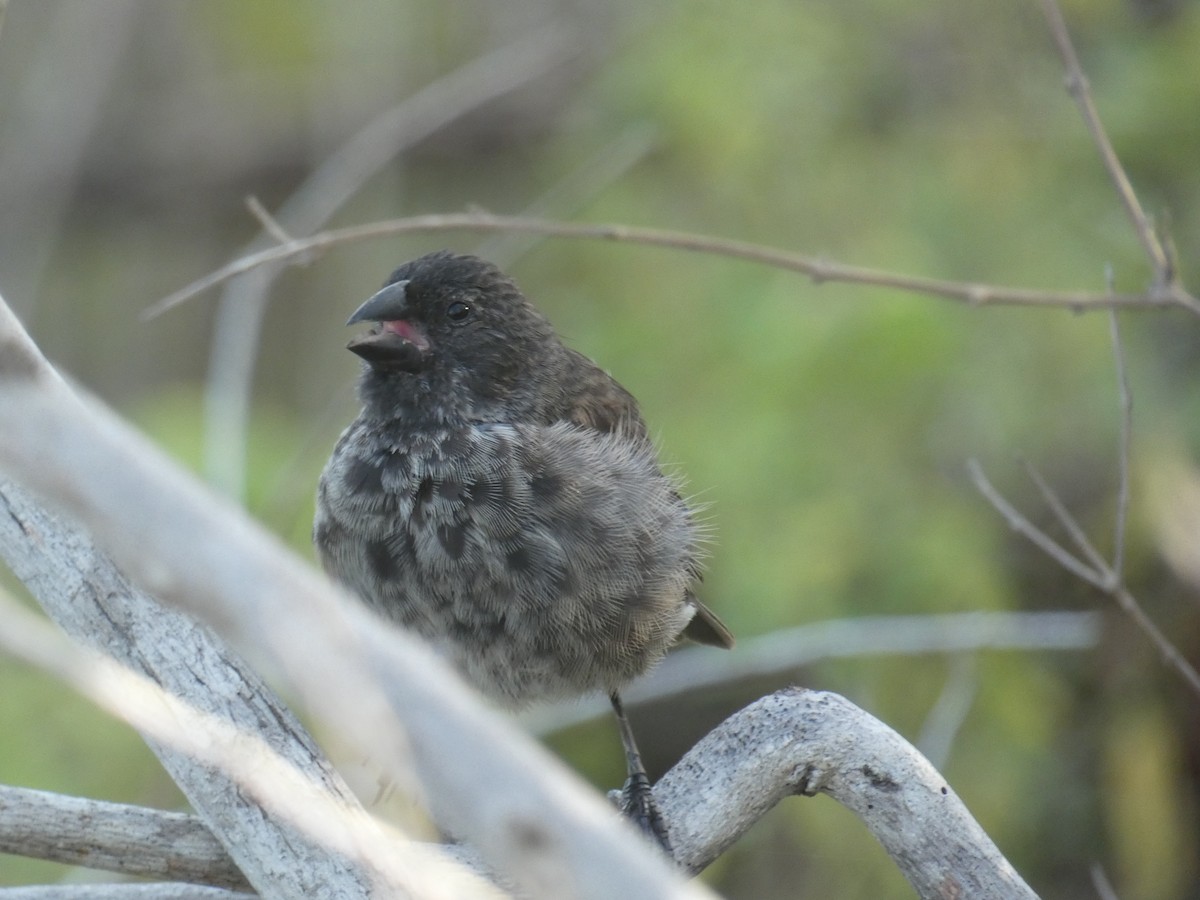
[(451, 332)]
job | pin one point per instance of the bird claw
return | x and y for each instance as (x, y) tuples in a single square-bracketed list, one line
[(637, 803)]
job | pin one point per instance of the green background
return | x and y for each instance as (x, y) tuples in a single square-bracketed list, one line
[(826, 426)]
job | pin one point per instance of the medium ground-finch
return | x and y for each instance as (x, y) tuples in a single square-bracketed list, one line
[(499, 495)]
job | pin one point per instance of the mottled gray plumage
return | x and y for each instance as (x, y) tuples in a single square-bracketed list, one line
[(499, 494)]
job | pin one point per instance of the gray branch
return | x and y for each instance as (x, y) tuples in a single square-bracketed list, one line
[(92, 601), (780, 654), (795, 742), (113, 836), (164, 891), (806, 742)]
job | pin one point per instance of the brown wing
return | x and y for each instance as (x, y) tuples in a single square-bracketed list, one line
[(707, 628), (594, 399)]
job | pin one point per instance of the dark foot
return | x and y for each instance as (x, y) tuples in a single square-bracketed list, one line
[(637, 802)]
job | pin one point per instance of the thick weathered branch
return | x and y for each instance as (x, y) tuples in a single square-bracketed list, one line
[(228, 741), (164, 891), (155, 843), (793, 742), (282, 791), (91, 600), (113, 836), (807, 742)]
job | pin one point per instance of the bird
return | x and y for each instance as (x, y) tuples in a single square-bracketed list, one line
[(500, 495)]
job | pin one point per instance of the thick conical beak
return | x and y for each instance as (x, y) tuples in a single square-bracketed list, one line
[(394, 343), (389, 304)]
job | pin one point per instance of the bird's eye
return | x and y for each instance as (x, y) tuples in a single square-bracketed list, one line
[(458, 311)]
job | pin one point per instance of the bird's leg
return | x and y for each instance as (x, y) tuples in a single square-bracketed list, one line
[(637, 799)]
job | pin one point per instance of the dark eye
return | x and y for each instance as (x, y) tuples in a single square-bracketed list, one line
[(458, 311)]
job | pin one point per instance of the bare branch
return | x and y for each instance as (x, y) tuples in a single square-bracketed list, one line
[(113, 836), (82, 590), (781, 654), (584, 182), (268, 222), (1168, 651), (1072, 527), (240, 314), (950, 710), (1104, 888), (1125, 399), (819, 270), (807, 742), (1079, 89), (136, 840), (793, 742), (1017, 522), (380, 859), (168, 891), (1103, 577)]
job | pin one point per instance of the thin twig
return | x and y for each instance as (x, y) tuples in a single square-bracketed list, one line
[(1169, 652), (950, 710), (569, 194), (778, 655), (1104, 888), (1022, 525), (1079, 89), (242, 310), (1068, 522), (1124, 438), (268, 222), (819, 270), (1102, 577)]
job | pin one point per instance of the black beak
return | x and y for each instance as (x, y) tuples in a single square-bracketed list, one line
[(395, 346), (388, 305)]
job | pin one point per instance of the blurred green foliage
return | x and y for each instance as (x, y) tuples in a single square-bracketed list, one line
[(826, 427)]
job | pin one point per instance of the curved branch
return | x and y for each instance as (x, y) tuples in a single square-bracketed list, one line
[(806, 742), (795, 741)]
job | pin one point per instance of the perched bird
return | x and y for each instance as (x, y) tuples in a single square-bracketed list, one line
[(499, 494)]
